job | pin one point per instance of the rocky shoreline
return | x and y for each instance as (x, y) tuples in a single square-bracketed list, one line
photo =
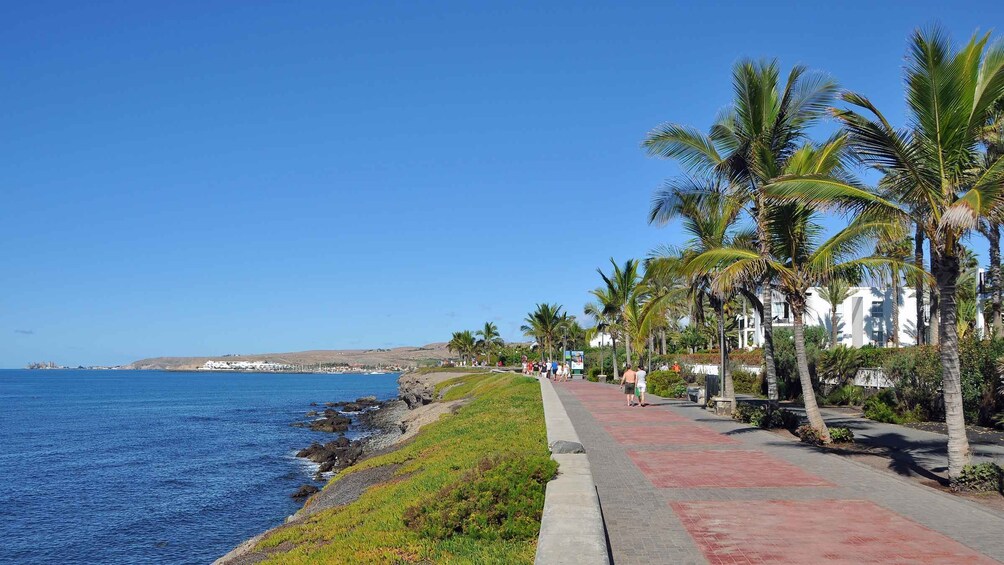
[(391, 421), (337, 418)]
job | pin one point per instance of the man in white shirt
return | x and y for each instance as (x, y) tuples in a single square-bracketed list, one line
[(639, 388)]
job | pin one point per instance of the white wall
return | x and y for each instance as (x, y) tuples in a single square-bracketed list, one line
[(818, 314)]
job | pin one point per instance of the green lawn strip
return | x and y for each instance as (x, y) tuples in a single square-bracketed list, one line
[(494, 448)]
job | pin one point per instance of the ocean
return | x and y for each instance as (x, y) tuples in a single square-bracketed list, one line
[(152, 466)]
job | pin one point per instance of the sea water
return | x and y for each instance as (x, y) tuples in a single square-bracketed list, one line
[(151, 466)]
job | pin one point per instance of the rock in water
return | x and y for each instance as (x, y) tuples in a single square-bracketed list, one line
[(304, 491), (333, 422)]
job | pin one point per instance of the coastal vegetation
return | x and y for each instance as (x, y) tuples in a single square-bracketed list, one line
[(468, 488)]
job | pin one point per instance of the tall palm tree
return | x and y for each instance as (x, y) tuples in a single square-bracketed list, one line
[(895, 246), (939, 177), (749, 146), (490, 340), (798, 257), (608, 307), (622, 289), (835, 292), (710, 216), (544, 324), (599, 328), (993, 141)]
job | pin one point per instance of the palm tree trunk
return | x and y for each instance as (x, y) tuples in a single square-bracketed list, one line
[(627, 350), (947, 275), (935, 309), (995, 277), (833, 326), (763, 237), (728, 387), (602, 365), (651, 348), (808, 393), (895, 307), (770, 372), (662, 337), (918, 262), (613, 345)]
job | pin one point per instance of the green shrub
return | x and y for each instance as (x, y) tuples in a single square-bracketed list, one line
[(759, 417), (982, 396), (847, 395), (745, 382), (679, 390), (916, 376), (743, 411), (874, 356), (809, 435), (880, 407), (664, 383), (786, 419), (983, 477), (502, 498), (841, 435), (839, 364)]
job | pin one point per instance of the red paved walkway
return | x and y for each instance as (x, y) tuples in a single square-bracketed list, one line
[(732, 495)]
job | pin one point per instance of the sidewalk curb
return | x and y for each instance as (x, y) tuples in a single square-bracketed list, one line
[(571, 527)]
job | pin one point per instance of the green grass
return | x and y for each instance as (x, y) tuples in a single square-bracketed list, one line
[(495, 446), (464, 370)]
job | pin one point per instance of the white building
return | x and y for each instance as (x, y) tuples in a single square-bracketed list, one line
[(601, 339), (864, 318)]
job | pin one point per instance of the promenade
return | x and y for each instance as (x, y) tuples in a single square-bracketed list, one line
[(679, 485)]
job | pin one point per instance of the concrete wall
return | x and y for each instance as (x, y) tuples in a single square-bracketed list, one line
[(571, 528)]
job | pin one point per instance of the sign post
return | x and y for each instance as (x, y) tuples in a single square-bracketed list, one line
[(576, 360)]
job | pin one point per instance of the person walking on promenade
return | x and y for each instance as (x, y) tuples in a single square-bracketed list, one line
[(628, 381), (639, 387)]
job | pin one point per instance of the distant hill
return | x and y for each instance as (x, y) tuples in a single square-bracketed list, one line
[(398, 356)]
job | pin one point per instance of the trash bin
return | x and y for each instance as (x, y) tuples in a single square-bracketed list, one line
[(711, 386)]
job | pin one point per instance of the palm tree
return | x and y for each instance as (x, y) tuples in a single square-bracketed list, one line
[(622, 289), (490, 339), (747, 147), (464, 344), (937, 176), (600, 323), (918, 282), (835, 292), (798, 258), (608, 307), (895, 246), (544, 324), (993, 141), (709, 215)]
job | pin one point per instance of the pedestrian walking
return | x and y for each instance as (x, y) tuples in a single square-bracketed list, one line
[(639, 387), (628, 381)]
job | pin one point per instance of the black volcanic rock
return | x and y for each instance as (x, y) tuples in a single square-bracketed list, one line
[(304, 491), (332, 423)]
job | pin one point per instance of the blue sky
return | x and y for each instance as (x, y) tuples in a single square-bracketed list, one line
[(207, 178)]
